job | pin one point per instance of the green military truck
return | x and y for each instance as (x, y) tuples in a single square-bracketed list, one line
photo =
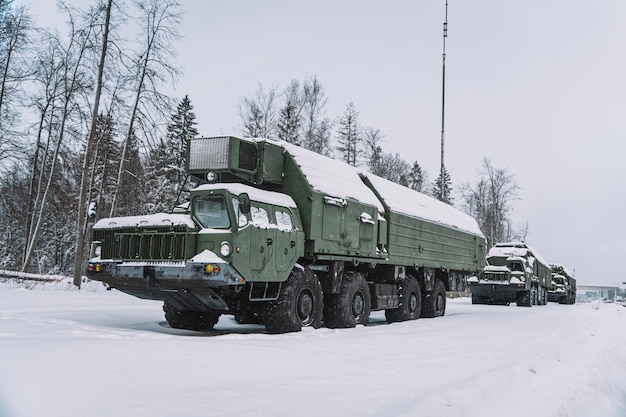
[(514, 273), (279, 235), (563, 289)]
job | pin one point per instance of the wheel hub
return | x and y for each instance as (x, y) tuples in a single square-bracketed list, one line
[(305, 307), (358, 304), (413, 303)]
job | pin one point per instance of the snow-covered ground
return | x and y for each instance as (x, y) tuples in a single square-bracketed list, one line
[(103, 353)]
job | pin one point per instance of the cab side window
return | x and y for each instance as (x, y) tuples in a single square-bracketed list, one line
[(260, 218), (283, 220)]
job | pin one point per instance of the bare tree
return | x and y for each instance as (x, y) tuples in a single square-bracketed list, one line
[(316, 126), (15, 25), (72, 80), (258, 113), (149, 69), (489, 201), (373, 139)]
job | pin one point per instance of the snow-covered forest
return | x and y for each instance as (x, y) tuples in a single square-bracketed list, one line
[(87, 131)]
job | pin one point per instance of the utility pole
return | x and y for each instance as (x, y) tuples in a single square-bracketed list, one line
[(443, 104)]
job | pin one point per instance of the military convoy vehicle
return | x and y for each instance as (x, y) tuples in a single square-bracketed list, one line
[(563, 289), (514, 273), (278, 235)]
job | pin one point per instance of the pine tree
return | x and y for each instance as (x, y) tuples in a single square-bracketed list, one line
[(289, 124), (416, 177), (349, 135), (132, 190), (179, 131), (443, 193), (166, 162)]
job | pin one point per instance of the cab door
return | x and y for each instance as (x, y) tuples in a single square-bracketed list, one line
[(262, 243), (286, 239)]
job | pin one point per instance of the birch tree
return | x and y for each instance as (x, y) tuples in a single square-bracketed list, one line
[(72, 82), (258, 113), (81, 224), (150, 68), (15, 27)]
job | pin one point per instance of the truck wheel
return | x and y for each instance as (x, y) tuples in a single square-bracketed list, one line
[(351, 306), (410, 302), (299, 304), (190, 320), (525, 300), (434, 304)]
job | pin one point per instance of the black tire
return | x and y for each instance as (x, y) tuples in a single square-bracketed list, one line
[(410, 302), (190, 320), (351, 306), (434, 304), (299, 304), (525, 300), (248, 318)]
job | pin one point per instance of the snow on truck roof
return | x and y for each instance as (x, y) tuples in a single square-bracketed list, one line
[(255, 194), (515, 249), (341, 180), (159, 219)]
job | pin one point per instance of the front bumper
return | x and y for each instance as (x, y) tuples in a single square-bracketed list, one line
[(202, 283), (497, 291)]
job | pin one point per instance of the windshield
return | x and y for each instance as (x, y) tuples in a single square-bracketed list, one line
[(516, 267), (211, 212)]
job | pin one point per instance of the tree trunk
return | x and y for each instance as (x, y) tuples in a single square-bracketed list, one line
[(81, 224)]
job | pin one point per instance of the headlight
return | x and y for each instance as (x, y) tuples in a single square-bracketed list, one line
[(96, 249), (225, 249)]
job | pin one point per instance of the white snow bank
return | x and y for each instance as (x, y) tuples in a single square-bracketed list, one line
[(105, 354)]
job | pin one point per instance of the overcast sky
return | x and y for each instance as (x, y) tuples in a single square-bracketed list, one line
[(536, 86)]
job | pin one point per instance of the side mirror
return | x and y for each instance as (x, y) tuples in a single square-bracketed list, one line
[(244, 203)]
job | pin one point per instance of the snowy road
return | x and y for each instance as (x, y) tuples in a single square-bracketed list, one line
[(69, 353)]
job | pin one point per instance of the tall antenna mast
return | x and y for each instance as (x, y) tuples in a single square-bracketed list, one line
[(443, 103)]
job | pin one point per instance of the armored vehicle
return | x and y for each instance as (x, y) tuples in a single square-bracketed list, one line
[(279, 235), (563, 289), (514, 273)]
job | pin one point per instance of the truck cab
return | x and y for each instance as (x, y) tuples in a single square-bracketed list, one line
[(514, 273), (231, 236)]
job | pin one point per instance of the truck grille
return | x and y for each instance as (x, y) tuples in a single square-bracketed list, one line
[(135, 244), (497, 277)]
